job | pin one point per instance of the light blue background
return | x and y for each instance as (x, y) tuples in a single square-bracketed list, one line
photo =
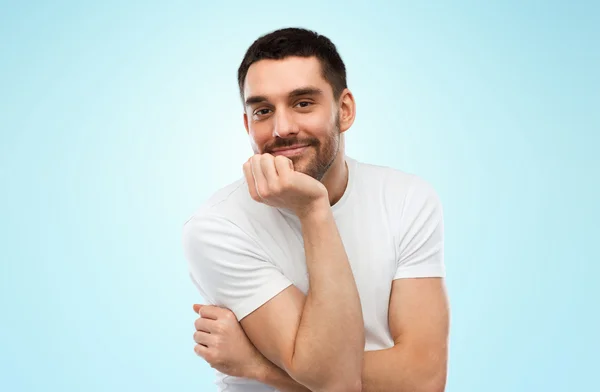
[(118, 119)]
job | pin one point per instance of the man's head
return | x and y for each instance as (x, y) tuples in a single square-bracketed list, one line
[(293, 87)]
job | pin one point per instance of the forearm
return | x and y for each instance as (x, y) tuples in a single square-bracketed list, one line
[(391, 370), (402, 369), (330, 339)]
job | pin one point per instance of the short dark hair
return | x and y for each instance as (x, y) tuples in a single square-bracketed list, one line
[(292, 41)]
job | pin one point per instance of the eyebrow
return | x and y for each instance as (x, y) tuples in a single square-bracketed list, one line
[(293, 94)]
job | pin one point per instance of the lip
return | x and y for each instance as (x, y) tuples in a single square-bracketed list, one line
[(290, 151)]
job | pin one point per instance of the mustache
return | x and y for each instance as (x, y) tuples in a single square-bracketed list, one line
[(288, 142)]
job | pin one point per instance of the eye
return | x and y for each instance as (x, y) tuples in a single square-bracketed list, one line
[(262, 112), (304, 104)]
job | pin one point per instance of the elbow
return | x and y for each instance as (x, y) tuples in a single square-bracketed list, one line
[(337, 385), (438, 387), (318, 381), (436, 383), (345, 386), (327, 375), (427, 375)]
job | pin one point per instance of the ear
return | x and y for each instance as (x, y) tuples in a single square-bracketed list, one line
[(347, 110), (246, 122)]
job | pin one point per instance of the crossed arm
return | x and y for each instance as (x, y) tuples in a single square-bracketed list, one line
[(318, 331), (419, 323), (316, 342), (318, 339)]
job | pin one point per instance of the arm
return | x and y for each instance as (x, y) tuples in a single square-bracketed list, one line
[(419, 323), (418, 311), (285, 326), (317, 340), (418, 314)]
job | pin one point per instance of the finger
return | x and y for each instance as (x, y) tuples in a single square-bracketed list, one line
[(201, 350), (211, 312), (197, 308), (267, 164), (250, 181), (259, 177), (205, 325), (203, 338), (284, 166)]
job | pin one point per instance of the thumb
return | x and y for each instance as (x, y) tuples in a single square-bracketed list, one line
[(197, 308)]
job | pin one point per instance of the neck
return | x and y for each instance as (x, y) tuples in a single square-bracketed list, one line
[(336, 178)]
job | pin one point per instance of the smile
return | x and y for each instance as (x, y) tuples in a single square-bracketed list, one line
[(290, 151)]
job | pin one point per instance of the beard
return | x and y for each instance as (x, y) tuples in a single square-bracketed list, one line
[(319, 155)]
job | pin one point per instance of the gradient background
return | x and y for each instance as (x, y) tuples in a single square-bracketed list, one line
[(119, 120)]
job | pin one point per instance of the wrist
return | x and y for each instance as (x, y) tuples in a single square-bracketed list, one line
[(316, 211)]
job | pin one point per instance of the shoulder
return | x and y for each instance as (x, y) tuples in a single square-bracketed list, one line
[(228, 213)]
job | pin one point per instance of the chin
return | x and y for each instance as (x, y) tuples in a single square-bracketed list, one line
[(303, 163)]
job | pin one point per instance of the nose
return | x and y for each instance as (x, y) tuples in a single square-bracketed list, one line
[(284, 124)]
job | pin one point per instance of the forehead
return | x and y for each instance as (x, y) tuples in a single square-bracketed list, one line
[(273, 78)]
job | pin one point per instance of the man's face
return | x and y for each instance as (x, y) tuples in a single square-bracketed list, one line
[(289, 104)]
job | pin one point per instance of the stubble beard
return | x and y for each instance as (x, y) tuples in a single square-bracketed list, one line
[(325, 153)]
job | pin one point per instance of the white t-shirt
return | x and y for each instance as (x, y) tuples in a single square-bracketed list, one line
[(242, 253)]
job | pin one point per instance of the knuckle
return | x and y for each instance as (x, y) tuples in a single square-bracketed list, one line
[(263, 191), (212, 308), (275, 189), (229, 316)]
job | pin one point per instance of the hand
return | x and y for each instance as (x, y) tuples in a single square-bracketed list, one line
[(273, 181), (222, 343)]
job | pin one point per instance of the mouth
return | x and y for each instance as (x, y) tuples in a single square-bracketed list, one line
[(289, 151)]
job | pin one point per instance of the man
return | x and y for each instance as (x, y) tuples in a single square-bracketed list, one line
[(323, 273)]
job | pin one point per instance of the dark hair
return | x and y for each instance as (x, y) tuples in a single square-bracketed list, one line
[(287, 42)]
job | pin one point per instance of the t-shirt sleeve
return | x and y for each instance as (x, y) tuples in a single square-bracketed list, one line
[(421, 238), (229, 267)]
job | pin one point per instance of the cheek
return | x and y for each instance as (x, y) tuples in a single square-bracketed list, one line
[(258, 137), (317, 124)]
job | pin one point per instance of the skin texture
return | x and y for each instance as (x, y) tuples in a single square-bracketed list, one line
[(315, 342)]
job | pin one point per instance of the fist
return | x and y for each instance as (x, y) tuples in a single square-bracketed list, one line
[(221, 341), (273, 181)]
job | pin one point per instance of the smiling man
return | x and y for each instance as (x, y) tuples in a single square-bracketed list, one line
[(322, 273)]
